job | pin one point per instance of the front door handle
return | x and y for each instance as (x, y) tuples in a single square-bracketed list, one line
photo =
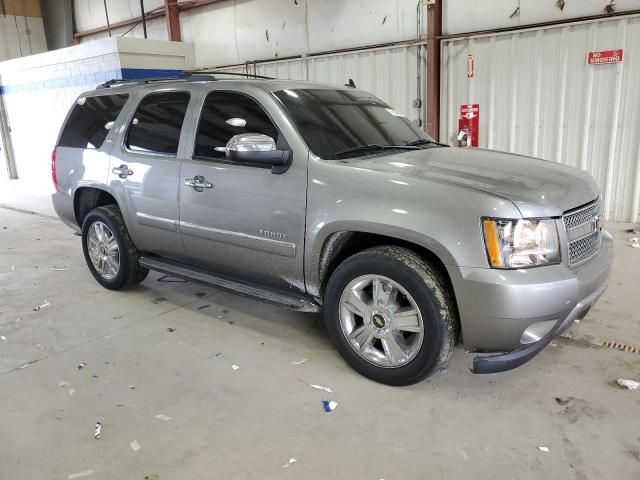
[(198, 183), (122, 171)]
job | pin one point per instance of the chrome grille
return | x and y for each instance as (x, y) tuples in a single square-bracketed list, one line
[(584, 248), (582, 232), (582, 216)]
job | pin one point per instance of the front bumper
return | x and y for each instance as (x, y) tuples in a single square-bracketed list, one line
[(497, 307)]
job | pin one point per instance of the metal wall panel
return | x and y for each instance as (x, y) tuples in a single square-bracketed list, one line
[(539, 97), (388, 72)]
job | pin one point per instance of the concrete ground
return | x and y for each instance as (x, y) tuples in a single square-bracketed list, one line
[(152, 351)]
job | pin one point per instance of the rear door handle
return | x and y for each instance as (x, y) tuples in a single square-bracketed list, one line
[(198, 183), (122, 171)]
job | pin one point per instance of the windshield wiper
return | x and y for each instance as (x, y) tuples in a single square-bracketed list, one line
[(374, 147), (425, 141)]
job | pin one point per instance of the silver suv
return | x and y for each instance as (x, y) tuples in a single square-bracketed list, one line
[(315, 197)]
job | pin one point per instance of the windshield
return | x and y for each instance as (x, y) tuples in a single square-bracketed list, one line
[(334, 123)]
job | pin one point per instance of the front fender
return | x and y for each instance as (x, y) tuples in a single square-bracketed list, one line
[(443, 218)]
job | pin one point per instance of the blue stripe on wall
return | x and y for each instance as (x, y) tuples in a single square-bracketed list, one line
[(139, 73), (90, 79)]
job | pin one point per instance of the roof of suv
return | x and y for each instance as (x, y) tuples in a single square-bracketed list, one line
[(271, 85)]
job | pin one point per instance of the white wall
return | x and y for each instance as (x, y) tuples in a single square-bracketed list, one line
[(538, 97), (471, 16), (20, 40), (40, 89), (235, 31), (398, 90)]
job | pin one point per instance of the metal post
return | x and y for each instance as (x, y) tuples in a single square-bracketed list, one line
[(144, 19), (172, 15), (106, 14), (434, 31)]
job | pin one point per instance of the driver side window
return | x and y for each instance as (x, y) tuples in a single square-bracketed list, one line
[(225, 114)]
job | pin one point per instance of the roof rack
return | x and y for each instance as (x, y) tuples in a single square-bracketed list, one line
[(235, 74), (183, 77)]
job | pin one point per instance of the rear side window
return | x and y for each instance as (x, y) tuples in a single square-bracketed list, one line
[(91, 120), (225, 114), (157, 123)]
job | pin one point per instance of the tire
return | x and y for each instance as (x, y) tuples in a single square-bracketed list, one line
[(426, 340), (107, 223)]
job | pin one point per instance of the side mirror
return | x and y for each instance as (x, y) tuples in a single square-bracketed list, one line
[(256, 148)]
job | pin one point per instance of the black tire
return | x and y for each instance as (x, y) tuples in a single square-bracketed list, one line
[(431, 294), (129, 273)]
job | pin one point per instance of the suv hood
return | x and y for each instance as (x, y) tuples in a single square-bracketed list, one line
[(538, 188)]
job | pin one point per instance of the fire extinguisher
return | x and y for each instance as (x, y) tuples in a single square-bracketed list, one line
[(464, 137)]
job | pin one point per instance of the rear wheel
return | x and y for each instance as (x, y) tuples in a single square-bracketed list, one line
[(391, 315), (108, 250)]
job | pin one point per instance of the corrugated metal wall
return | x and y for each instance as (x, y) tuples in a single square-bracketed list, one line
[(388, 72), (539, 97)]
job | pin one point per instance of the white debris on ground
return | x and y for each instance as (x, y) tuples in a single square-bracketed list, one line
[(320, 387), (135, 446), (291, 461), (630, 384), (542, 448), (298, 362), (40, 307), (235, 367), (86, 473), (98, 431), (635, 243), (163, 417)]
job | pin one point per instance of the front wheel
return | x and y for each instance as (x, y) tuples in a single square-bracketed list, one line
[(108, 250), (391, 315)]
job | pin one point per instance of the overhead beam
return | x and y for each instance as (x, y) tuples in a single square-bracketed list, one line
[(172, 14), (434, 32)]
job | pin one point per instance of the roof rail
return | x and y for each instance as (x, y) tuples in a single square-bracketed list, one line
[(235, 74), (183, 77)]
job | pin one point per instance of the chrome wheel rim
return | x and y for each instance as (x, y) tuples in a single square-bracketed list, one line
[(381, 321), (104, 251)]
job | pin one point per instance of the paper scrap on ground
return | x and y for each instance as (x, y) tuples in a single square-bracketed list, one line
[(59, 269), (543, 448), (320, 387), (298, 362), (235, 367), (3, 338), (217, 355), (86, 473), (329, 406), (98, 431), (162, 416), (634, 242), (81, 365), (630, 384), (71, 391), (291, 461), (135, 446), (40, 307)]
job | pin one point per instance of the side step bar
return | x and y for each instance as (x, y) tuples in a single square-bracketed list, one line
[(298, 303)]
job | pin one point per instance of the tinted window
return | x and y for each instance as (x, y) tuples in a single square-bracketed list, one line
[(331, 121), (91, 120), (226, 114), (157, 123)]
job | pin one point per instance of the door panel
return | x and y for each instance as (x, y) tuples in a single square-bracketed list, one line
[(145, 173), (250, 224)]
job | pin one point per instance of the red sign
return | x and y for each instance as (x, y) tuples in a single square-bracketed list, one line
[(605, 56), (470, 66), (469, 125)]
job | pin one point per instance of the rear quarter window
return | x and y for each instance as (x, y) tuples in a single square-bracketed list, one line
[(90, 121)]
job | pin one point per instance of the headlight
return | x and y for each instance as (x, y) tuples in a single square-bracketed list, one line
[(521, 243)]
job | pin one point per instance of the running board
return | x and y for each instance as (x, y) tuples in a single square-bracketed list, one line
[(298, 303)]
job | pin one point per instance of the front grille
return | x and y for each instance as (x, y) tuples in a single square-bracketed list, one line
[(582, 232), (584, 248), (582, 216)]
